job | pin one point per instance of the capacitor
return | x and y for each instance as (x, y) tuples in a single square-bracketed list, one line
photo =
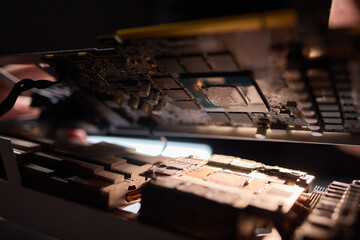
[(158, 107), (154, 97), (119, 98), (144, 89), (134, 101), (144, 107)]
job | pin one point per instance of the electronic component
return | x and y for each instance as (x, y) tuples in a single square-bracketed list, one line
[(222, 192), (231, 78), (204, 198), (335, 214), (260, 76), (100, 180), (233, 93)]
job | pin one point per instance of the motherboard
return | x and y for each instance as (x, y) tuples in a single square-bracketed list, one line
[(276, 78)]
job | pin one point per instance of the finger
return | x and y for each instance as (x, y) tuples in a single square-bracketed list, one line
[(344, 13)]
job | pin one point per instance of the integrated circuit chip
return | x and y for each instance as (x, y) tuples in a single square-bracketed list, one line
[(240, 119), (187, 105), (223, 93), (195, 64), (224, 96), (166, 82), (170, 65), (218, 117), (177, 95), (223, 62)]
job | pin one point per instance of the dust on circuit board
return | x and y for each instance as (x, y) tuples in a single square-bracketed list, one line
[(271, 80)]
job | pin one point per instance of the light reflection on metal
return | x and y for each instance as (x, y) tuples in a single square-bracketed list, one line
[(156, 147)]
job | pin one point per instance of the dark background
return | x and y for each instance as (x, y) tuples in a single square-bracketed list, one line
[(32, 26)]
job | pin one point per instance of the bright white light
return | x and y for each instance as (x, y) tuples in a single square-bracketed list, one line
[(134, 208), (181, 149), (155, 147)]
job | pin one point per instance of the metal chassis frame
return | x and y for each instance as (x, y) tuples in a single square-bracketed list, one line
[(62, 218)]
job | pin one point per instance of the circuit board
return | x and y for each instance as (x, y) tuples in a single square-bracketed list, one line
[(259, 76), (223, 197), (263, 78), (218, 190)]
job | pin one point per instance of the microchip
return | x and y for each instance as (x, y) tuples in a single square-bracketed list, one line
[(240, 119), (166, 82), (350, 115), (176, 95), (330, 114), (333, 120), (225, 93), (330, 127), (278, 127), (187, 105), (195, 64), (223, 62), (218, 117), (324, 107), (170, 65), (224, 96), (348, 108)]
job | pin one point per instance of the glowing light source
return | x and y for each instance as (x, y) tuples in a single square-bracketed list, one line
[(134, 208), (157, 147), (314, 52)]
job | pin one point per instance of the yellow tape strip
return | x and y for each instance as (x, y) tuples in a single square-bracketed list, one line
[(246, 22)]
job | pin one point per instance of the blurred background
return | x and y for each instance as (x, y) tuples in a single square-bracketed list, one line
[(33, 26)]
